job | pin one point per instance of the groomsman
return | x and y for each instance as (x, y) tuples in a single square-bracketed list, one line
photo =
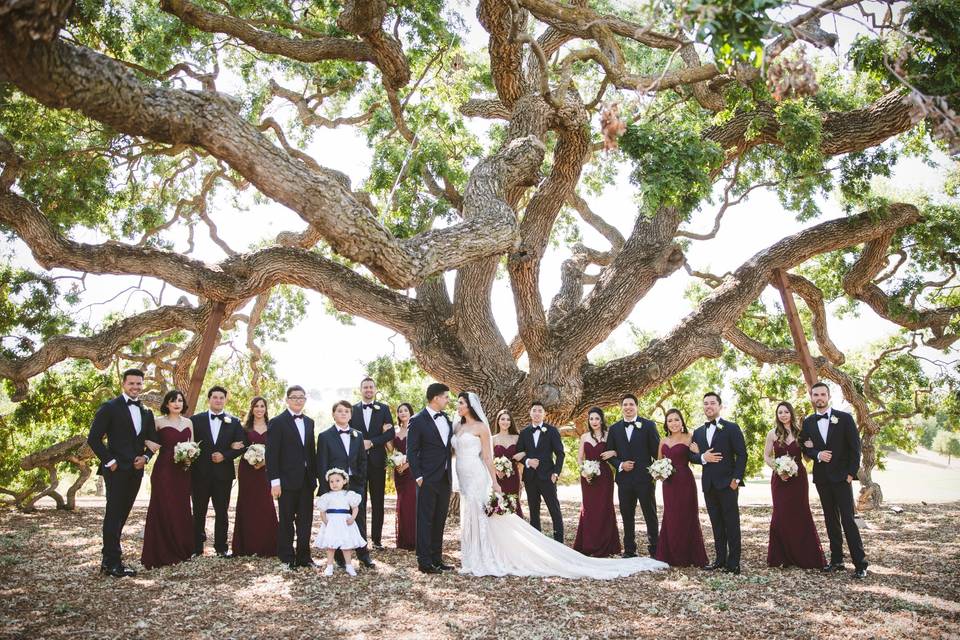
[(428, 452), (723, 454), (832, 441), (543, 463), (221, 440), (635, 442), (341, 447), (292, 467), (126, 425), (373, 420)]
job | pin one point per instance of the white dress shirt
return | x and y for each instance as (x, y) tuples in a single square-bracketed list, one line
[(345, 439), (215, 424), (823, 425), (367, 412), (711, 431), (442, 427), (536, 441), (630, 428)]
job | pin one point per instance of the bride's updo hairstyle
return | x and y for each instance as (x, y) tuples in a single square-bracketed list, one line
[(473, 412)]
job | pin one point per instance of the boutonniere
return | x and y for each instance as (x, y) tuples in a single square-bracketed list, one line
[(376, 407), (833, 420), (227, 419), (719, 426)]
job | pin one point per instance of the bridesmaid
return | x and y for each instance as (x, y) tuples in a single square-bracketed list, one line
[(168, 533), (255, 528), (681, 539), (597, 533), (505, 444), (406, 487), (793, 536)]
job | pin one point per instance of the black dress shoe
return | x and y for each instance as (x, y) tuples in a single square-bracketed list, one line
[(734, 570), (226, 555), (366, 562), (423, 569), (444, 567), (112, 572), (860, 574), (292, 566), (713, 566), (196, 554), (310, 563), (830, 568), (377, 546), (628, 554)]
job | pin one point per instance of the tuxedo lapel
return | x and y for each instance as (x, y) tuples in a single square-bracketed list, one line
[(815, 432), (125, 410)]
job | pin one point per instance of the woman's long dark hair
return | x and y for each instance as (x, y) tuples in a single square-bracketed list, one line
[(466, 398), (248, 422), (603, 423), (779, 428), (683, 423), (512, 429), (170, 397), (409, 411)]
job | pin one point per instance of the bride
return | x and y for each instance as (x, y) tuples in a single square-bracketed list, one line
[(506, 545)]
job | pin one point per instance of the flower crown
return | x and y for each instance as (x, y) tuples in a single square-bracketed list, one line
[(336, 471)]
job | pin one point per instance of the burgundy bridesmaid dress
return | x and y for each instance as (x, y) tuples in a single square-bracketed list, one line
[(406, 502), (597, 533), (168, 533), (510, 485), (793, 536), (681, 539), (255, 529)]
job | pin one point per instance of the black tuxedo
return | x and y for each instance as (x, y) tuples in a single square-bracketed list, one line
[(213, 481), (292, 463), (332, 455), (830, 478), (429, 459), (379, 432), (549, 451), (723, 502), (114, 422), (636, 486)]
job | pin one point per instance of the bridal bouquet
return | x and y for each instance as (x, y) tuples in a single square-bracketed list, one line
[(502, 464), (499, 504), (255, 454), (397, 459), (590, 469), (661, 469), (186, 452), (785, 465)]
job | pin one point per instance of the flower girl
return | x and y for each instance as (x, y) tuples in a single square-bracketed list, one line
[(338, 511)]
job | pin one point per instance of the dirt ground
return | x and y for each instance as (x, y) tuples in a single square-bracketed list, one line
[(49, 588)]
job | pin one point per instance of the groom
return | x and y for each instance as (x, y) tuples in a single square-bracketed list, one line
[(428, 452), (543, 448)]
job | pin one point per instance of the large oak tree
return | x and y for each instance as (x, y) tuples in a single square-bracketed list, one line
[(114, 118)]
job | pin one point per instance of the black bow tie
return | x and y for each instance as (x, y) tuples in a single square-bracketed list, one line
[(437, 415), (712, 423), (216, 416), (631, 424), (823, 416), (297, 416), (343, 430), (368, 406), (131, 401)]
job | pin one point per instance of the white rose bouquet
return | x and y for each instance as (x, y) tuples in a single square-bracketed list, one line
[(184, 453), (661, 469)]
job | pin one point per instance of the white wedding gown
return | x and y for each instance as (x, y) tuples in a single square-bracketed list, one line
[(507, 546)]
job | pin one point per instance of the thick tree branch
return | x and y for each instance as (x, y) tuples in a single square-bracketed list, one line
[(699, 334)]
